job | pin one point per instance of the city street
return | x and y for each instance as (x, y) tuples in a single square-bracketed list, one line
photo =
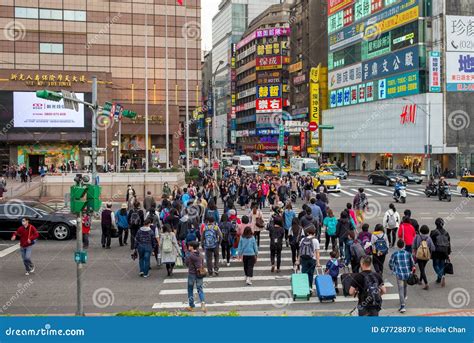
[(111, 282)]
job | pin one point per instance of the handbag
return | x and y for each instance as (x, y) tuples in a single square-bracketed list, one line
[(33, 242), (179, 262), (134, 255), (201, 272), (412, 279), (259, 222), (448, 267)]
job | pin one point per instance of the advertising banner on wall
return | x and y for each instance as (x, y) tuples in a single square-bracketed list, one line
[(345, 77), (396, 62), (30, 111), (273, 62), (269, 91), (336, 5), (314, 110), (268, 105), (459, 33), (435, 72), (459, 72)]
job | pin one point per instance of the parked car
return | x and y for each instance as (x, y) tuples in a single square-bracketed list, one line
[(60, 226), (332, 168), (466, 186), (410, 176), (385, 177)]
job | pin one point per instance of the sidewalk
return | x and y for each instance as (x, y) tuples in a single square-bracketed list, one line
[(16, 189)]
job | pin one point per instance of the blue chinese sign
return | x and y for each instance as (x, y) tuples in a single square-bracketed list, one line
[(403, 85), (269, 91), (393, 63)]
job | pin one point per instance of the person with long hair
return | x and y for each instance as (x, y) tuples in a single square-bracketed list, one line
[(295, 234), (330, 226), (256, 219), (379, 248), (391, 222), (169, 248), (248, 252)]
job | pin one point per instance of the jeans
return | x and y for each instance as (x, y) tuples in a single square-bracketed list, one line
[(225, 246), (402, 291), (378, 261), (123, 235), (344, 249), (438, 265), (422, 264), (257, 237), (249, 263), (210, 253), (85, 240), (26, 257), (392, 236), (144, 253), (193, 279), (275, 251), (307, 266), (262, 202), (333, 241), (106, 235)]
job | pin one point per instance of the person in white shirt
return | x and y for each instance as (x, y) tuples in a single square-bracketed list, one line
[(309, 254), (391, 222)]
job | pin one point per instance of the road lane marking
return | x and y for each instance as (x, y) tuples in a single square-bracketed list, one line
[(357, 191), (233, 269), (9, 250), (347, 193), (260, 302), (371, 190)]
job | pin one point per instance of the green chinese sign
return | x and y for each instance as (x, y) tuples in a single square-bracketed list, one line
[(390, 2), (377, 47), (362, 9), (336, 22)]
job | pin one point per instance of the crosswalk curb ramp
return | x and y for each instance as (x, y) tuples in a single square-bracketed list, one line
[(268, 290)]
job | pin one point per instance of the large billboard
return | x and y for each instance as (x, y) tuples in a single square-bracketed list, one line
[(459, 71), (459, 33), (30, 111)]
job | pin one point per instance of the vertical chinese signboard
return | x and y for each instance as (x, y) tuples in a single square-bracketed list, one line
[(435, 66)]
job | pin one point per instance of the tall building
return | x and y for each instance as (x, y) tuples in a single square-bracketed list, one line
[(260, 83), (400, 87), (62, 44), (228, 26)]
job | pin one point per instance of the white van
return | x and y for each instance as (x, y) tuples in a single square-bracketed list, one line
[(244, 162), (304, 166)]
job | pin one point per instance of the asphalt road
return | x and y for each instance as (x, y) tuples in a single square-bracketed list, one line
[(112, 284)]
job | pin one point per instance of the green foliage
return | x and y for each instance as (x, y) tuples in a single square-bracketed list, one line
[(228, 314)]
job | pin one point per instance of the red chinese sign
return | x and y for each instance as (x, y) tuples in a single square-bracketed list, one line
[(265, 63), (408, 115), (336, 5), (348, 16), (269, 105), (376, 6)]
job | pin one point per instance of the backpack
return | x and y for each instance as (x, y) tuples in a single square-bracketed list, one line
[(372, 294), (210, 237), (381, 245), (233, 229), (442, 242), (423, 252), (307, 248), (364, 241), (135, 218), (362, 201), (333, 269), (167, 245), (392, 221), (331, 226), (359, 252), (294, 240), (191, 235)]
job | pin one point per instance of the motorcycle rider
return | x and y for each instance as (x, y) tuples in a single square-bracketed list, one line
[(441, 184), (398, 186)]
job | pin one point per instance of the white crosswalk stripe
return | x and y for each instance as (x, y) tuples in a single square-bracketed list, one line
[(268, 290)]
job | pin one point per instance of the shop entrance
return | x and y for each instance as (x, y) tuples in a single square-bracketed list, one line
[(34, 162)]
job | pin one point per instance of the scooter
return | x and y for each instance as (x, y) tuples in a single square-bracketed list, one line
[(401, 196), (431, 190), (444, 193)]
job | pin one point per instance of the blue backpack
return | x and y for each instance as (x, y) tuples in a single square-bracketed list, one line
[(210, 237), (331, 224), (381, 245), (191, 236)]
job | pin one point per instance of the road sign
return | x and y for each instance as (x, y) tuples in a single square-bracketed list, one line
[(69, 99), (281, 138), (313, 126), (215, 165)]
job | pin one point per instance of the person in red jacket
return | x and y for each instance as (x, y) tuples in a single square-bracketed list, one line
[(407, 233), (28, 236)]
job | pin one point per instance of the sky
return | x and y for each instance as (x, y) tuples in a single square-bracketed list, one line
[(209, 9)]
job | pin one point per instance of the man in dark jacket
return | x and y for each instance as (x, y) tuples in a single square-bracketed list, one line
[(136, 217), (195, 261), (322, 205), (308, 220), (149, 201), (107, 222), (277, 233), (343, 228), (442, 242)]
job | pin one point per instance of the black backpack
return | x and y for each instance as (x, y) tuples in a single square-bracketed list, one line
[(371, 294), (442, 242)]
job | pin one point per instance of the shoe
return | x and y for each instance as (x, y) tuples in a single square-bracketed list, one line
[(125, 243), (273, 269), (249, 281), (189, 309), (32, 269), (228, 264), (103, 246), (443, 281), (146, 275), (337, 290), (203, 307), (121, 245), (216, 273), (107, 247), (141, 274), (426, 287), (402, 309), (278, 270), (27, 273), (438, 280)]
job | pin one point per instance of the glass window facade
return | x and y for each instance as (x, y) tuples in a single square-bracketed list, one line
[(50, 48)]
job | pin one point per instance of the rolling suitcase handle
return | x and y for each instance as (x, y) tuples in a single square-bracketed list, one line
[(322, 271)]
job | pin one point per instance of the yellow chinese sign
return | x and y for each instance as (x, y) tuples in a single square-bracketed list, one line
[(50, 80), (269, 49), (314, 74), (273, 91), (285, 88), (314, 111), (296, 67), (388, 24)]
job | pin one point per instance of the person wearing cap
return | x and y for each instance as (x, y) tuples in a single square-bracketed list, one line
[(107, 222), (121, 220)]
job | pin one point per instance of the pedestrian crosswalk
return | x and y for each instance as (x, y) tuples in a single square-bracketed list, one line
[(372, 191), (270, 291)]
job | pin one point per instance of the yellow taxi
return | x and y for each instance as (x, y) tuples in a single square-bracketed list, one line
[(276, 169), (265, 166), (331, 181), (466, 186)]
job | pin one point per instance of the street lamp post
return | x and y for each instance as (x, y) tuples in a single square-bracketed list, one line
[(214, 108)]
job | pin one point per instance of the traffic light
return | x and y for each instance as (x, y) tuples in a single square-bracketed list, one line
[(93, 198), (107, 108), (129, 114), (77, 202), (49, 95)]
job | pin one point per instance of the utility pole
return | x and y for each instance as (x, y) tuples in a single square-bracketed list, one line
[(94, 130)]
